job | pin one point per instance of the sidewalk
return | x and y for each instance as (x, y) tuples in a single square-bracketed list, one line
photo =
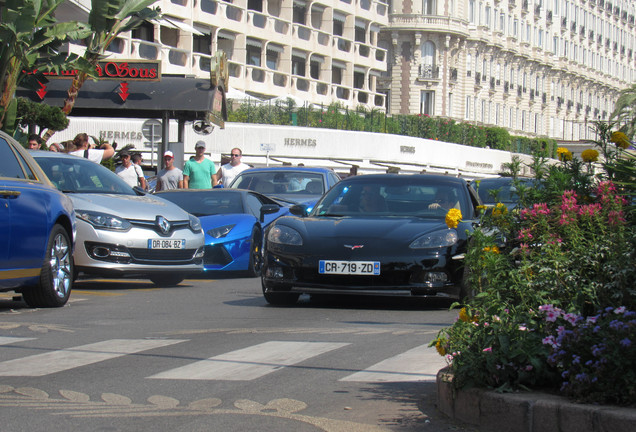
[(528, 412)]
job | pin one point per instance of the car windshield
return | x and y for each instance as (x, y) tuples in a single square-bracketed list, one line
[(492, 191), (402, 196), (284, 184), (206, 203), (74, 174)]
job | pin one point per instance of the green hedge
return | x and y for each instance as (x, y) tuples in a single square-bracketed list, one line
[(335, 116)]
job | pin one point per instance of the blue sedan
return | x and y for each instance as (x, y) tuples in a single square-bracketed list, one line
[(233, 221), (296, 185), (38, 230)]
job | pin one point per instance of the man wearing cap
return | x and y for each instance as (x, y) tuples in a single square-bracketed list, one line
[(170, 177), (127, 170), (199, 172)]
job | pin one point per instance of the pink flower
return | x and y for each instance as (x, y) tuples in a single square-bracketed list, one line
[(487, 350), (551, 316), (615, 217), (529, 368)]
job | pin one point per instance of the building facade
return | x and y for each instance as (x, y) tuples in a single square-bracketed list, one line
[(536, 67), (317, 52)]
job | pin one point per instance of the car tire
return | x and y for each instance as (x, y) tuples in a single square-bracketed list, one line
[(56, 276), (167, 280), (279, 298), (256, 254)]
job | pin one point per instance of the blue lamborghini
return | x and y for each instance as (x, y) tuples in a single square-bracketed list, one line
[(233, 221)]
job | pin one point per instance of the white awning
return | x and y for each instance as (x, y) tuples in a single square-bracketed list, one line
[(338, 63), (203, 29), (375, 27), (361, 23), (317, 58), (176, 24), (360, 69)]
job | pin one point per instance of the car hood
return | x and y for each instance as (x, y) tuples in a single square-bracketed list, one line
[(144, 207), (369, 228)]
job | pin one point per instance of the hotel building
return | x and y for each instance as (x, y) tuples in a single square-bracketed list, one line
[(538, 68)]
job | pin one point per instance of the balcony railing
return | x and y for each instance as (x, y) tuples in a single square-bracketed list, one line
[(427, 71)]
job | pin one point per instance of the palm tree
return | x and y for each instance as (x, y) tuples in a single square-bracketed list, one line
[(30, 38), (625, 110), (107, 20)]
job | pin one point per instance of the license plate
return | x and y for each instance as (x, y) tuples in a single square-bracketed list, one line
[(369, 268), (166, 244)]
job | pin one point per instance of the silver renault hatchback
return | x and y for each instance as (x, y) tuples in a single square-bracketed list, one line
[(122, 231)]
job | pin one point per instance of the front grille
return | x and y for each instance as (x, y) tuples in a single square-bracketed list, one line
[(162, 255), (385, 279), (216, 255)]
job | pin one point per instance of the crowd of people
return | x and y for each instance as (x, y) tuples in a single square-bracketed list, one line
[(199, 172)]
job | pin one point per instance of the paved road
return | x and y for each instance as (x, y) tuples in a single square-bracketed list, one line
[(211, 355)]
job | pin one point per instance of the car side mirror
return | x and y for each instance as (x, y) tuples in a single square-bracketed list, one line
[(299, 210), (268, 209), (139, 191)]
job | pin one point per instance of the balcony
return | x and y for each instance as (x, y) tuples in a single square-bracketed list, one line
[(428, 72), (548, 17)]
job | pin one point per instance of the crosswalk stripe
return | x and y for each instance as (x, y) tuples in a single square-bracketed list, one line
[(6, 340), (250, 363), (69, 358), (418, 364)]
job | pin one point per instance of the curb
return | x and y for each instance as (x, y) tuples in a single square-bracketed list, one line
[(528, 412)]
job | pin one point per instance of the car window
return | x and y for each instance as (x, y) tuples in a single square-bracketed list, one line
[(254, 204), (9, 165), (79, 175), (281, 183), (394, 198), (206, 204)]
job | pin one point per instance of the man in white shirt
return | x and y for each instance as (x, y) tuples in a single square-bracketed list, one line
[(82, 149), (229, 171), (127, 169)]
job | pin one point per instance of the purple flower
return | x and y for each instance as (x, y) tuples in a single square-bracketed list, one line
[(625, 342)]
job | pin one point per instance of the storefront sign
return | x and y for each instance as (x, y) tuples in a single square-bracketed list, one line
[(128, 70), (300, 142)]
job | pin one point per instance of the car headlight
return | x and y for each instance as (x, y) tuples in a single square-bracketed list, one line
[(284, 235), (220, 232), (436, 239), (195, 223), (103, 220)]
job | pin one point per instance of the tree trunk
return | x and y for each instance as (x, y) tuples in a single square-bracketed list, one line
[(69, 102)]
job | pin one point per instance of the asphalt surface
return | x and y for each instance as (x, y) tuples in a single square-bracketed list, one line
[(212, 355)]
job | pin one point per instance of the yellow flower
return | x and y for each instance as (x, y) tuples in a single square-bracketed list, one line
[(620, 139), (453, 217), (564, 154), (440, 349), (463, 315), (493, 249), (589, 155), (499, 210)]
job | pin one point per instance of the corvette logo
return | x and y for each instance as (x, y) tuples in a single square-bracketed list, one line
[(352, 247)]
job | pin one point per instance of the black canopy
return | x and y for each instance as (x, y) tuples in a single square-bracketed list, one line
[(173, 97)]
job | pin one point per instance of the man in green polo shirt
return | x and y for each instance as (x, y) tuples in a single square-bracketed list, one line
[(199, 172)]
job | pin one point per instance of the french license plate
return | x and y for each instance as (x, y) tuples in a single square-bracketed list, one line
[(369, 268), (166, 244)]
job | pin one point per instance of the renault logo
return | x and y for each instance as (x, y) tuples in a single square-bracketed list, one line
[(163, 224)]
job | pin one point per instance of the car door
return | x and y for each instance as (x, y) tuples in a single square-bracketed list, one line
[(24, 207)]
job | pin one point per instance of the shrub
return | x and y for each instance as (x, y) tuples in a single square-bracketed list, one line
[(571, 246)]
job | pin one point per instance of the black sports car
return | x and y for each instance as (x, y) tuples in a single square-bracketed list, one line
[(373, 234)]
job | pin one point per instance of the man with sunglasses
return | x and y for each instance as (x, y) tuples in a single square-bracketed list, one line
[(170, 177), (230, 170)]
